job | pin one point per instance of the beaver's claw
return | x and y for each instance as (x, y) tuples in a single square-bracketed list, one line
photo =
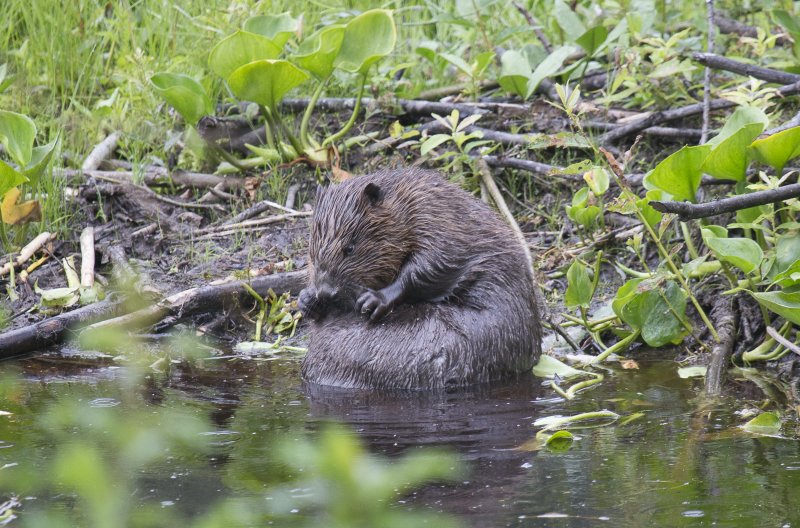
[(373, 304)]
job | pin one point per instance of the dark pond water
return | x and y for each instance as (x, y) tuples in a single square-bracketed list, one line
[(683, 463)]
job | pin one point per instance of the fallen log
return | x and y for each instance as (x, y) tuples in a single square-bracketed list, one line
[(110, 313), (719, 62), (690, 211)]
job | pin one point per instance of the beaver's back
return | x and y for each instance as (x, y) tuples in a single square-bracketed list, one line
[(486, 326)]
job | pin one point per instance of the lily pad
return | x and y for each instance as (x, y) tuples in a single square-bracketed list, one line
[(767, 423), (778, 149), (549, 367), (318, 52)]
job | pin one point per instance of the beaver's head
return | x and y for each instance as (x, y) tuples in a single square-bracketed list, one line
[(359, 239)]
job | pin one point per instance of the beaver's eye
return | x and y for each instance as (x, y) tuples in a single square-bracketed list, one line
[(348, 249)]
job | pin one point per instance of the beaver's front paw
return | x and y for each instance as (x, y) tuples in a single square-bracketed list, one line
[(309, 303), (374, 304)]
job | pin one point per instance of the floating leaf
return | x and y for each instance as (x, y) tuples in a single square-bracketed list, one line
[(239, 49), (787, 305), (680, 174), (266, 81), (318, 52), (367, 38), (767, 423), (697, 371), (579, 286), (277, 28), (184, 94), (778, 149), (17, 133), (549, 367), (560, 440)]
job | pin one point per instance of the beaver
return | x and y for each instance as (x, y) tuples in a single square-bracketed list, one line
[(415, 284)]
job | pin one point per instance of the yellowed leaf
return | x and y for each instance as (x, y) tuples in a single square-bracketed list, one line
[(14, 213), (629, 364)]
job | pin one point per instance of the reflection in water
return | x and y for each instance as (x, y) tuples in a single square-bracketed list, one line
[(684, 463)]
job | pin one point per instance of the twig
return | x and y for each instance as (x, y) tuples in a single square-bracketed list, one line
[(87, 257), (255, 210), (728, 25), (291, 195), (689, 211), (408, 106), (668, 132), (678, 113), (782, 340), (154, 176), (487, 179), (707, 72), (27, 252), (435, 94), (537, 28), (711, 60), (725, 323), (232, 228), (793, 122), (101, 151)]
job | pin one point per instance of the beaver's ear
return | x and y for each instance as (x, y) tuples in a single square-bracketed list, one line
[(373, 193)]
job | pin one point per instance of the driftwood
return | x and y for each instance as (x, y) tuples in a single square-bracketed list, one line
[(690, 211), (729, 25), (101, 151), (725, 323), (54, 330), (742, 68), (678, 113), (154, 176), (27, 252)]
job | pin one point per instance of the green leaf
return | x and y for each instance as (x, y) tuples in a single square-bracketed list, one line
[(579, 286), (277, 28), (646, 305), (567, 19), (241, 48), (550, 367), (787, 305), (184, 94), (767, 423), (266, 81), (680, 174), (740, 118), (776, 150), (40, 159), (592, 39), (597, 179), (743, 253), (367, 38), (318, 52), (651, 216), (729, 158), (787, 253), (458, 62), (5, 79), (697, 371), (433, 142), (550, 65), (9, 178), (514, 73), (560, 440), (17, 133)]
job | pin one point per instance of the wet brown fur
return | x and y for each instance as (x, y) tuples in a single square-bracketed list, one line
[(449, 273)]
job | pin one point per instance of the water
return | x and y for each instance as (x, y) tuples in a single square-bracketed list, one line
[(683, 463)]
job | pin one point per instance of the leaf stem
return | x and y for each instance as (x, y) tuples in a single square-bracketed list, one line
[(309, 110), (347, 126)]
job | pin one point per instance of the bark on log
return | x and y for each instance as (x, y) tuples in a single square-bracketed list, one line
[(55, 330), (719, 62), (690, 211), (725, 323)]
